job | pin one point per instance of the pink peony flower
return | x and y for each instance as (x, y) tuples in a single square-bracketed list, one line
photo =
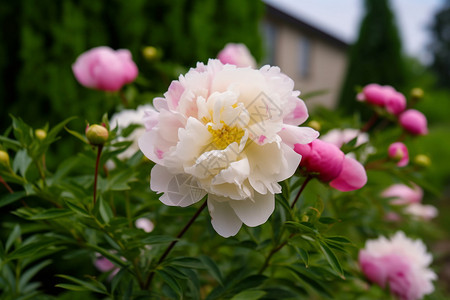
[(226, 132), (401, 264), (383, 96), (331, 165), (399, 152), (422, 212), (403, 194), (105, 265), (414, 122), (238, 55), (104, 69)]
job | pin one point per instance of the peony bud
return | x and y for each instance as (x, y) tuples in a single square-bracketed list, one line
[(104, 69), (417, 93), (4, 158), (422, 160), (414, 122), (97, 135), (40, 134), (399, 153), (150, 53), (314, 125)]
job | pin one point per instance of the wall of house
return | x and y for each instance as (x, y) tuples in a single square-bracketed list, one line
[(314, 63)]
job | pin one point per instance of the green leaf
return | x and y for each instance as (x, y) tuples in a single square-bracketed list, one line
[(249, 295), (304, 256), (249, 282), (328, 220), (315, 284), (78, 135), (21, 162), (28, 274), (119, 181), (27, 250), (338, 239), (77, 209), (187, 262), (212, 268), (302, 226), (10, 198), (13, 236), (112, 257), (157, 240), (52, 213), (331, 258), (105, 210), (170, 281), (82, 284), (10, 143)]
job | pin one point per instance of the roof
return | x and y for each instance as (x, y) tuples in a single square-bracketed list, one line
[(296, 22)]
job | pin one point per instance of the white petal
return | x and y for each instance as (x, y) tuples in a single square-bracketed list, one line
[(292, 135), (254, 213), (179, 190), (223, 218), (292, 160), (147, 143)]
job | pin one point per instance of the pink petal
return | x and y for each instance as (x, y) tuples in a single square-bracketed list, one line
[(292, 135), (352, 177)]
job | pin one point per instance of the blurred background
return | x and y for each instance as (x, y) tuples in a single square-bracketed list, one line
[(328, 47)]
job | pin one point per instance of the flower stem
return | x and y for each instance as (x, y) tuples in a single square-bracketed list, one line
[(272, 252), (308, 178), (123, 98), (179, 235), (370, 123), (2, 181), (97, 162)]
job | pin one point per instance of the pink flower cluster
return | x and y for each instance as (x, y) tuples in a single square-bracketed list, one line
[(383, 96), (104, 69), (401, 264), (394, 102), (410, 198), (330, 164)]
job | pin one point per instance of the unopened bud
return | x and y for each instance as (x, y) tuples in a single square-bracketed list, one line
[(422, 160), (417, 93), (315, 125), (305, 218), (40, 134), (97, 135), (4, 158), (150, 53)]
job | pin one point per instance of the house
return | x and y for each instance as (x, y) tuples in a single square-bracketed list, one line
[(313, 58)]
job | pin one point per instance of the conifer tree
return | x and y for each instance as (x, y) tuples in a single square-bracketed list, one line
[(376, 56)]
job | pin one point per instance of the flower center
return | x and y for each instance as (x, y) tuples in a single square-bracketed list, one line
[(226, 135)]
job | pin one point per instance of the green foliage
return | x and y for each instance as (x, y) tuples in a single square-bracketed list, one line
[(440, 46), (376, 56)]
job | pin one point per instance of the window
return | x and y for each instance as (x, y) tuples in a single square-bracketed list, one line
[(304, 56), (270, 36)]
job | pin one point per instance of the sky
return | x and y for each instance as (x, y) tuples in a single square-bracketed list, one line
[(342, 18)]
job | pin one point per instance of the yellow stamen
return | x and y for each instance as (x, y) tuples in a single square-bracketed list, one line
[(226, 135)]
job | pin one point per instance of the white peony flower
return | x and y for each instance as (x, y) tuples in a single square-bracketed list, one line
[(226, 132), (400, 263), (125, 118)]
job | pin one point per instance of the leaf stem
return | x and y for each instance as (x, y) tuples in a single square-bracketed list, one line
[(370, 123), (179, 235), (97, 162), (308, 179), (2, 181)]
